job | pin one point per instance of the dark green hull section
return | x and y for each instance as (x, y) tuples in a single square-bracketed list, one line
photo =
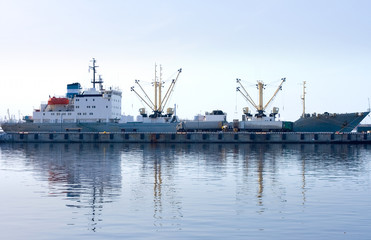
[(343, 122)]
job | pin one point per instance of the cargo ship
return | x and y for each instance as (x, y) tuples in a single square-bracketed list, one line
[(96, 110), (327, 122), (99, 110)]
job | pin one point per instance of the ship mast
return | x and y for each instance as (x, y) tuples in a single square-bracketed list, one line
[(159, 91), (155, 84), (303, 97), (260, 87), (94, 72)]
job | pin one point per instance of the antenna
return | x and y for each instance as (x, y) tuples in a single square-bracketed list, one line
[(100, 81), (369, 108), (94, 72)]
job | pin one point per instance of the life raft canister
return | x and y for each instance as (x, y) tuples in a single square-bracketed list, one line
[(58, 101)]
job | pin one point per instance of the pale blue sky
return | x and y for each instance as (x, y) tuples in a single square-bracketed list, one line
[(44, 45)]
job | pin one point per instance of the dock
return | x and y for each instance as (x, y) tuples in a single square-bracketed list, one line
[(194, 137)]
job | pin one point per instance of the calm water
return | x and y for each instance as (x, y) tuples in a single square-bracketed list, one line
[(212, 191)]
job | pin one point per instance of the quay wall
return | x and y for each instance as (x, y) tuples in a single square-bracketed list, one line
[(195, 137)]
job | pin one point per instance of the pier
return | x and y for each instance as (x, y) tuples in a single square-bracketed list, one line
[(195, 137)]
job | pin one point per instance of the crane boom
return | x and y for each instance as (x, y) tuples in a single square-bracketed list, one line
[(137, 82), (245, 97), (132, 89), (275, 93), (246, 94), (169, 91)]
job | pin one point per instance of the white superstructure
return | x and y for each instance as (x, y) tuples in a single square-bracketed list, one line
[(91, 105)]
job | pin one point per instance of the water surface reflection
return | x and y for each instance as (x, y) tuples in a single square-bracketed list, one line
[(136, 189)]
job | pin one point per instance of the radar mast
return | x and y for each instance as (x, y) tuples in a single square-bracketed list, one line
[(94, 81)]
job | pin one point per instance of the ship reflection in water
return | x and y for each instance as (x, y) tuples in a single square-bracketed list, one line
[(87, 176), (186, 190)]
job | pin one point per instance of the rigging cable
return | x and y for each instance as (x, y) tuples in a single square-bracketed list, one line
[(235, 108)]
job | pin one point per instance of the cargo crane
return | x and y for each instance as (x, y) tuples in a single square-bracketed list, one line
[(260, 122), (260, 107), (158, 104)]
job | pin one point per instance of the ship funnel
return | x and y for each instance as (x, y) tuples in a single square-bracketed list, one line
[(73, 89)]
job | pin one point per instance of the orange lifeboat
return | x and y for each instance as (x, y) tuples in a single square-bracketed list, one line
[(58, 101)]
